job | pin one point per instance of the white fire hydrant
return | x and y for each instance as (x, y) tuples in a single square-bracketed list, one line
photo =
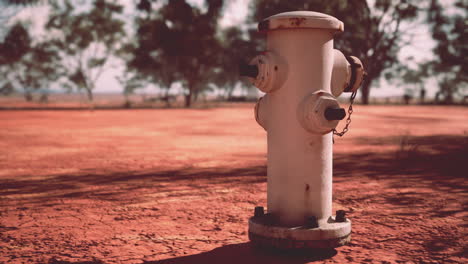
[(301, 75)]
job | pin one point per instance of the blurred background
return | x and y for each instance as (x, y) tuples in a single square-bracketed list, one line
[(177, 53), (124, 184)]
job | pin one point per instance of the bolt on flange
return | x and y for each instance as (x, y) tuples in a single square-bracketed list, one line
[(259, 211), (340, 216)]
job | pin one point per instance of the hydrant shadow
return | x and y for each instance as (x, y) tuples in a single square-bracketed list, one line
[(246, 253)]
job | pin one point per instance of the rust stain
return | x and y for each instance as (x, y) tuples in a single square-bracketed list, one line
[(341, 27), (264, 25), (345, 86), (297, 21)]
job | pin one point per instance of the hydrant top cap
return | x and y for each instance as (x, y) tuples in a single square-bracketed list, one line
[(301, 19)]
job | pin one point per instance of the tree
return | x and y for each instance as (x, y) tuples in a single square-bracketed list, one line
[(16, 44), (235, 47), (86, 40), (144, 67), (21, 2), (403, 75), (41, 68), (130, 81), (178, 43), (34, 70), (449, 66), (9, 8), (374, 35), (417, 77)]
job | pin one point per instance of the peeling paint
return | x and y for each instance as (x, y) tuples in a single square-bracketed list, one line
[(264, 25), (301, 19), (297, 21)]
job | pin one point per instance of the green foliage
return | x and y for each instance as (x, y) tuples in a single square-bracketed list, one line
[(17, 43), (96, 62), (42, 64), (86, 40), (372, 34), (131, 82), (20, 2), (35, 70), (411, 76), (6, 88), (451, 36), (25, 65), (178, 43), (235, 47)]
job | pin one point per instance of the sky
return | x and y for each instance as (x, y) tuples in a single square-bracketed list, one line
[(235, 13)]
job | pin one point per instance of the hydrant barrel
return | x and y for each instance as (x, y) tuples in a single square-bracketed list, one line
[(299, 113), (299, 162)]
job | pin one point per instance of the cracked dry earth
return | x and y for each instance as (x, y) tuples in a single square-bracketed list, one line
[(177, 186)]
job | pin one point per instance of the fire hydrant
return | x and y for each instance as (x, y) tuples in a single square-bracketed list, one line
[(301, 74)]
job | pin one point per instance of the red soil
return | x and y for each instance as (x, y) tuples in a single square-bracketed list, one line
[(139, 186)]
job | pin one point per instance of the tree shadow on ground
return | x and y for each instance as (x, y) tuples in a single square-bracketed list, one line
[(107, 186), (439, 162), (420, 164), (247, 254), (55, 261), (425, 164)]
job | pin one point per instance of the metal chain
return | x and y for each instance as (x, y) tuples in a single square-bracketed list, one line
[(348, 120)]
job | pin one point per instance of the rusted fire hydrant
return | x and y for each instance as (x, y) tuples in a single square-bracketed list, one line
[(301, 75)]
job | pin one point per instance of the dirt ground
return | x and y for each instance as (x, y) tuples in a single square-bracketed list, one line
[(178, 186)]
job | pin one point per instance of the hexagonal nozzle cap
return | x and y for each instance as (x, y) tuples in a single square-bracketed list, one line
[(358, 74), (248, 70), (335, 113)]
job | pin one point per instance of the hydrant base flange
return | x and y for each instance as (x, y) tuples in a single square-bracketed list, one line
[(265, 234), (292, 244)]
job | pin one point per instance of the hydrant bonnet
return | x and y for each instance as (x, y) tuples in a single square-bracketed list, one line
[(301, 19)]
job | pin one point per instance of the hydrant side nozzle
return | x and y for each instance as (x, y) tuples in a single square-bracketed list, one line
[(340, 73), (248, 70), (347, 74), (357, 74), (334, 113), (261, 111), (270, 71), (311, 112)]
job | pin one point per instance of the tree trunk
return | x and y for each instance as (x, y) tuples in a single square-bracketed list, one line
[(28, 96), (166, 96), (437, 97), (191, 84), (44, 98), (229, 93), (188, 99), (448, 96), (195, 96), (365, 90), (89, 93), (127, 103), (448, 100)]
